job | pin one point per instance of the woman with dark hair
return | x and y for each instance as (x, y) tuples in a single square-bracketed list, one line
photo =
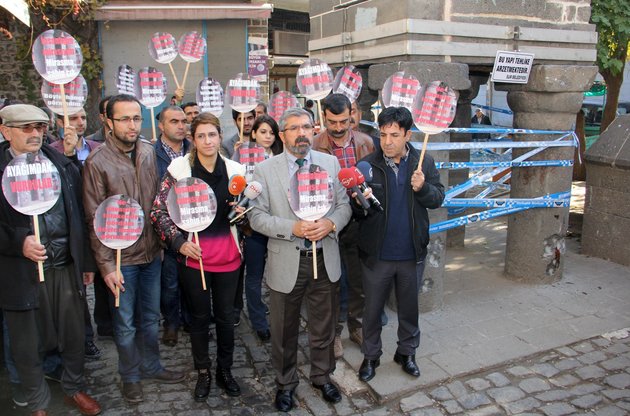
[(266, 134), (217, 247)]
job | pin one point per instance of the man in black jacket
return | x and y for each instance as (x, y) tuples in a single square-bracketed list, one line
[(48, 315), (393, 243)]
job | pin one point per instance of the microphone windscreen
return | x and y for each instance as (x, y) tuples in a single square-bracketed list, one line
[(237, 185), (253, 189), (347, 177), (366, 169)]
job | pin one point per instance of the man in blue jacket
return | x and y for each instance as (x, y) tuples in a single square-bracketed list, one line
[(171, 144), (393, 243)]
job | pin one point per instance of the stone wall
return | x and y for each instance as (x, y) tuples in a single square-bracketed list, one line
[(606, 227), (471, 31), (15, 80)]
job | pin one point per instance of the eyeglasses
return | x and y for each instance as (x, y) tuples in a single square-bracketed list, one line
[(28, 128), (294, 129), (127, 120)]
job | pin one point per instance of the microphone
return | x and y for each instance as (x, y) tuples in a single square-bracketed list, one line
[(251, 192), (237, 185), (363, 170), (348, 179)]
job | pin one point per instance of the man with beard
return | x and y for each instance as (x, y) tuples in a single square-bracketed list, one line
[(126, 165), (348, 146), (289, 268), (248, 121)]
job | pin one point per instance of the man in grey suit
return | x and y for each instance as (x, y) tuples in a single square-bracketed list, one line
[(289, 269)]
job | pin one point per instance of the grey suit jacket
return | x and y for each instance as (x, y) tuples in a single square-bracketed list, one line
[(273, 217)]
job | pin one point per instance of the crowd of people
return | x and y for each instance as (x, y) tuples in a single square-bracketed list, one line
[(48, 329)]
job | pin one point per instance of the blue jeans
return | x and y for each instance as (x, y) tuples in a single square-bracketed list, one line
[(136, 322), (170, 295), (255, 251)]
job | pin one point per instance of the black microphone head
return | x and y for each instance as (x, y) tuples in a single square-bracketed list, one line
[(366, 170)]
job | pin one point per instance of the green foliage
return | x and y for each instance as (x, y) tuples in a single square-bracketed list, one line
[(612, 18), (23, 55), (92, 63)]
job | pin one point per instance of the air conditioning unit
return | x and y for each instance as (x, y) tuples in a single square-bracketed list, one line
[(290, 43)]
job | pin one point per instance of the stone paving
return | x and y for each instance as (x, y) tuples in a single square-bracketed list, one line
[(590, 377)]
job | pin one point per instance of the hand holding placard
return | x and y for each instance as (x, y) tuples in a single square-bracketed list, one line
[(118, 224), (311, 197), (192, 206), (433, 111), (31, 185)]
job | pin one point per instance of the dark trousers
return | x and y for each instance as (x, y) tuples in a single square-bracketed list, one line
[(378, 280), (255, 253), (222, 288), (170, 298), (349, 251), (57, 324), (321, 307), (102, 311)]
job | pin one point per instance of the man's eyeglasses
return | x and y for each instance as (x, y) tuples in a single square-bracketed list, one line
[(294, 129), (127, 120), (28, 128)]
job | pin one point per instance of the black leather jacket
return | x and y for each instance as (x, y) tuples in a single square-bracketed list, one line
[(372, 223), (18, 278)]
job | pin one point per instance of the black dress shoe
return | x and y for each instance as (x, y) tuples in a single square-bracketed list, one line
[(330, 392), (408, 363), (368, 369), (202, 389), (264, 335), (284, 400), (226, 381)]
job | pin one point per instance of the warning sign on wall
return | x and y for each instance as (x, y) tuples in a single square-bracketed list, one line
[(512, 67)]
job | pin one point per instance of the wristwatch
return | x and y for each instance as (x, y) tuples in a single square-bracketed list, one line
[(334, 229)]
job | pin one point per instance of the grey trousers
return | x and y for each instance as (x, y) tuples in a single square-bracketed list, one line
[(377, 284), (284, 311), (59, 324)]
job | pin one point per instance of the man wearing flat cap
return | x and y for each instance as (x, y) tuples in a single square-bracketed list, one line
[(49, 315)]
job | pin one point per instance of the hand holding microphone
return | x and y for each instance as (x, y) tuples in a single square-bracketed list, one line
[(363, 171), (251, 192), (348, 179)]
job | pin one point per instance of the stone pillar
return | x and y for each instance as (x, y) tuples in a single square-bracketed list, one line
[(606, 229), (549, 101), (455, 236), (456, 76)]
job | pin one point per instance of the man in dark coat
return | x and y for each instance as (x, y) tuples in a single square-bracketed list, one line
[(43, 316), (393, 243)]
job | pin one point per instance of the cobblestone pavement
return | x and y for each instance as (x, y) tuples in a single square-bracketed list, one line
[(590, 377)]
